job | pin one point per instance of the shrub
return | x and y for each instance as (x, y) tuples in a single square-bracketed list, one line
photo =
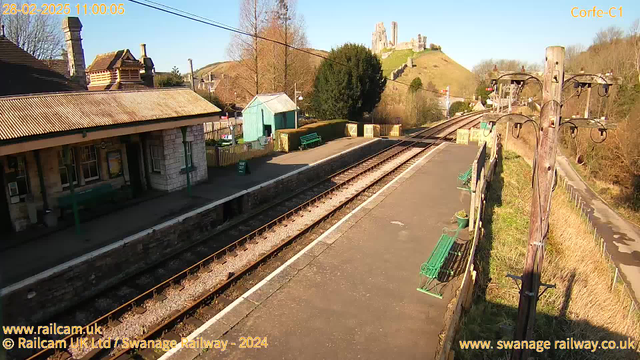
[(328, 130), (459, 106)]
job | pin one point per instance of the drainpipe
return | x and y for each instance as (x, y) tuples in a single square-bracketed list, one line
[(67, 161), (186, 156), (43, 189)]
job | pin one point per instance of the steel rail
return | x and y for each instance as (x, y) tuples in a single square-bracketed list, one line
[(157, 331), (132, 304)]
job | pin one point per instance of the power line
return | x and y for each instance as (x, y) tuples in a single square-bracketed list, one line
[(197, 18)]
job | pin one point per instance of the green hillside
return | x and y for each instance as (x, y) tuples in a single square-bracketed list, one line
[(430, 66)]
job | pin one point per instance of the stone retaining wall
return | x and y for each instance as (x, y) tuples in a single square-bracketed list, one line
[(36, 299)]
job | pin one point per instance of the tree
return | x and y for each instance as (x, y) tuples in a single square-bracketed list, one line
[(608, 35), (482, 92), (416, 84), (39, 35), (283, 67), (174, 78), (348, 83), (459, 106), (244, 49), (484, 67)]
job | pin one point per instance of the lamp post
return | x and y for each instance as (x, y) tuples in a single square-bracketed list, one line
[(296, 93)]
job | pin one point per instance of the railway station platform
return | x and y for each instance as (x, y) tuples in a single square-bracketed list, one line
[(22, 257), (352, 292)]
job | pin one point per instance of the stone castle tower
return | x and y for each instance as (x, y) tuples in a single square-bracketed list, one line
[(379, 40)]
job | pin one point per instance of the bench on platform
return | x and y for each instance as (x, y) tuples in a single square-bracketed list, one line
[(433, 266), (310, 139), (93, 195), (465, 178)]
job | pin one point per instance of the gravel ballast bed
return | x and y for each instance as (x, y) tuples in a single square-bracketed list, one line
[(134, 325)]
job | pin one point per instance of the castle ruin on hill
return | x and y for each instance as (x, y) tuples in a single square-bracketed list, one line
[(379, 40)]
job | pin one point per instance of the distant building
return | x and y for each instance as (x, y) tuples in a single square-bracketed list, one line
[(120, 70), (107, 145), (266, 113), (21, 73)]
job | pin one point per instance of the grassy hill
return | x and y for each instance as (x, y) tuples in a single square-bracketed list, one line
[(430, 66), (230, 68)]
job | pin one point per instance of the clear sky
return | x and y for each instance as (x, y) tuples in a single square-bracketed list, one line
[(467, 31)]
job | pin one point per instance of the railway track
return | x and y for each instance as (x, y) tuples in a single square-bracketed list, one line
[(216, 264)]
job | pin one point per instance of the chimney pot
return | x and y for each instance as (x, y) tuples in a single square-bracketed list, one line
[(143, 50)]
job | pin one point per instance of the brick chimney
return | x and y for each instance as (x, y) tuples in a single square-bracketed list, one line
[(147, 73), (75, 55)]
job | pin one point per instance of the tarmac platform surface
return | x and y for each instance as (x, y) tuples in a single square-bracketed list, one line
[(20, 259), (352, 292)]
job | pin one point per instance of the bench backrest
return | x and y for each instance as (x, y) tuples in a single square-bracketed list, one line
[(309, 137), (84, 195)]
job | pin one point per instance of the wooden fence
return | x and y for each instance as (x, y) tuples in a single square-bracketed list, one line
[(465, 293), (229, 155), (216, 131)]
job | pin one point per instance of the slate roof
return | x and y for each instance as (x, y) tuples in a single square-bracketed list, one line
[(114, 60), (41, 114), (22, 73)]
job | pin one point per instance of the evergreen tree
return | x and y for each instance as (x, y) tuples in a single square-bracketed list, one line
[(348, 84)]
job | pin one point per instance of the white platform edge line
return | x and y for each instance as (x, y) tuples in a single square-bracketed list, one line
[(88, 256), (264, 281)]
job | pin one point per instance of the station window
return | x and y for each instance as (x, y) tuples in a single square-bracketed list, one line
[(156, 158), (89, 163), (189, 157), (64, 173), (19, 188)]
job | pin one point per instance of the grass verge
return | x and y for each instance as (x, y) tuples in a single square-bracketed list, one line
[(582, 306)]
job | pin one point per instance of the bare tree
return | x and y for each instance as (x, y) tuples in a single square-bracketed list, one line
[(39, 35), (484, 67), (634, 37), (245, 49), (608, 35), (283, 67), (571, 56)]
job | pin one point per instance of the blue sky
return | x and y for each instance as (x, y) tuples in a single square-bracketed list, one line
[(467, 31)]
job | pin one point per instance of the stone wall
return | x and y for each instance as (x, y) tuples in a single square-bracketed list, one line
[(38, 298), (174, 166)]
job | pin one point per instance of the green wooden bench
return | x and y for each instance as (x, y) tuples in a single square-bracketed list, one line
[(465, 178), (89, 196), (433, 266), (310, 139)]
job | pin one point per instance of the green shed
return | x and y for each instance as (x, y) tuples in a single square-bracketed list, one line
[(267, 113)]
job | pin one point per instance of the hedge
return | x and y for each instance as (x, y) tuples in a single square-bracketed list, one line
[(328, 130)]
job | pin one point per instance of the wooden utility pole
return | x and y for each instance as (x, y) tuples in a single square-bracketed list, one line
[(543, 177), (193, 84)]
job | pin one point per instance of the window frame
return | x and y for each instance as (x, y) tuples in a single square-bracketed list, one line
[(24, 177), (84, 162), (189, 158), (156, 166), (62, 166)]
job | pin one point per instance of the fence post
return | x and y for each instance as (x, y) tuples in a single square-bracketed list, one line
[(604, 247), (473, 185), (633, 304), (615, 278)]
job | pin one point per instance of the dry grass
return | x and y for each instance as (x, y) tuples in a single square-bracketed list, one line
[(582, 306)]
